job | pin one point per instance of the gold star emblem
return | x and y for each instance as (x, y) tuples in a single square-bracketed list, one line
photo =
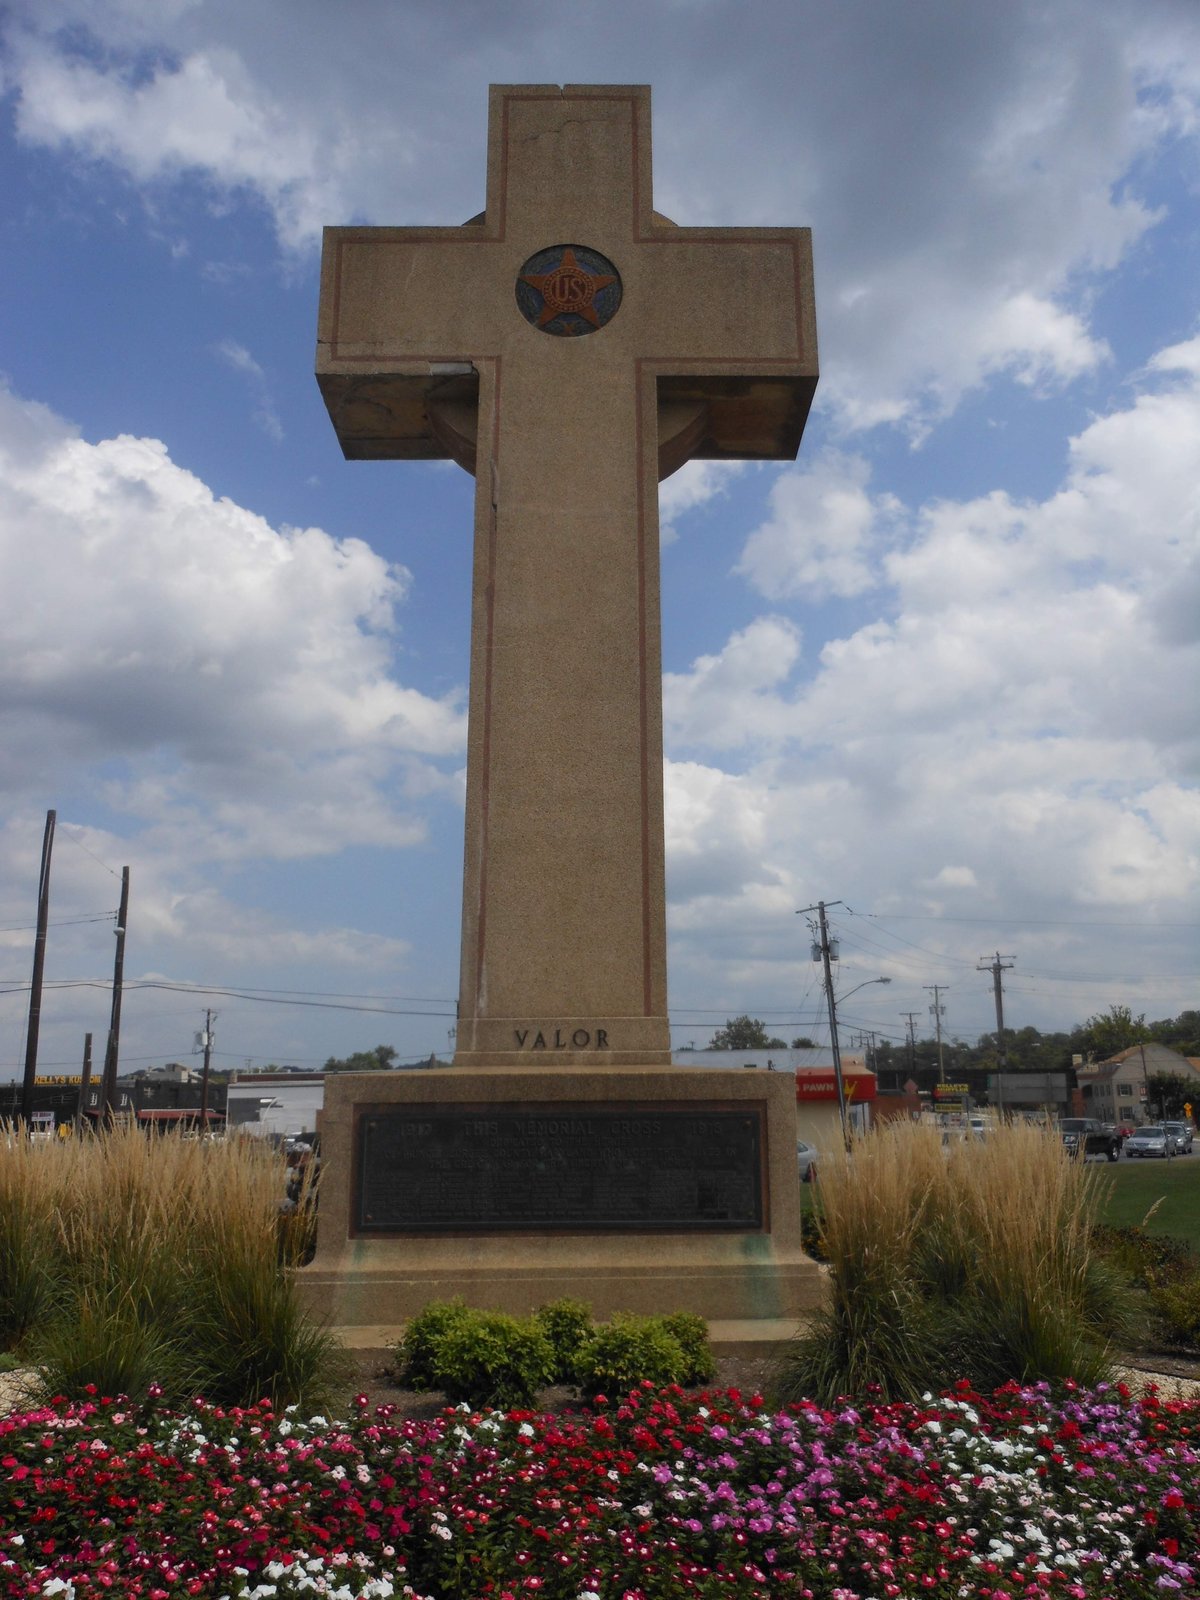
[(568, 288)]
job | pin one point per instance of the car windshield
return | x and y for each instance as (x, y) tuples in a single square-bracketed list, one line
[(1073, 1125), (1152, 1133)]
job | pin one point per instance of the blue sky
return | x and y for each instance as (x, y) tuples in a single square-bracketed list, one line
[(943, 669)]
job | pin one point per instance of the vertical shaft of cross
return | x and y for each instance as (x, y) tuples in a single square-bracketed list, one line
[(564, 926), (568, 346)]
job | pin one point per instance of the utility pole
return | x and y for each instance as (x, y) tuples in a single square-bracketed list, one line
[(85, 1081), (1000, 965), (938, 1011), (912, 1042), (108, 1096), (206, 1038), (822, 951), (39, 962)]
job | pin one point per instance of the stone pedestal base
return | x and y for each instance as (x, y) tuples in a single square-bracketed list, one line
[(720, 1261)]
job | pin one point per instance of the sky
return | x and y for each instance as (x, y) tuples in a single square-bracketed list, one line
[(941, 672)]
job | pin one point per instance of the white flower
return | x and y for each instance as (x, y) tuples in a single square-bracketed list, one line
[(526, 1430)]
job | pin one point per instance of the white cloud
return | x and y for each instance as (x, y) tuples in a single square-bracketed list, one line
[(226, 672), (1018, 738), (239, 358), (730, 699), (958, 226), (696, 483), (824, 533)]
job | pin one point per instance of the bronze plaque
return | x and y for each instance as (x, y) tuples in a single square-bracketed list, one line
[(469, 1169)]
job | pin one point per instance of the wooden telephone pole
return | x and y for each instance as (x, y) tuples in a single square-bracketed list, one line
[(108, 1093), (39, 962)]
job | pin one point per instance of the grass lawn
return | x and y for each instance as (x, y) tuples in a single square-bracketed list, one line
[(1133, 1186)]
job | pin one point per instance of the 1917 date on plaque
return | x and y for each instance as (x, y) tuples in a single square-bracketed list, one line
[(453, 1168)]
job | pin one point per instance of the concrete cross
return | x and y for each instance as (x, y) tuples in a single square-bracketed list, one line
[(569, 347)]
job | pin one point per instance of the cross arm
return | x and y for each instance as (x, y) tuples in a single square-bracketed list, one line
[(392, 343)]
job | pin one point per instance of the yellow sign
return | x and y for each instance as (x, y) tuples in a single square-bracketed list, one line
[(61, 1079), (952, 1088)]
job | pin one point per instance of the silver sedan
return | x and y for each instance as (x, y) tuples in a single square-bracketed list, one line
[(1152, 1140)]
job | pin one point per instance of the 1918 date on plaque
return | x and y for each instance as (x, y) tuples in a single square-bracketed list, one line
[(472, 1169)]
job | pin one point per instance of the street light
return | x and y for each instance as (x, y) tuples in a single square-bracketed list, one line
[(864, 985), (833, 1039), (822, 950)]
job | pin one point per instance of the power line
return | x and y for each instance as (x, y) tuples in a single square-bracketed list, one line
[(73, 840), (1022, 922)]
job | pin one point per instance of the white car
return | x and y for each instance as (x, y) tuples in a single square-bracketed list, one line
[(1152, 1140), (806, 1160), (1182, 1132)]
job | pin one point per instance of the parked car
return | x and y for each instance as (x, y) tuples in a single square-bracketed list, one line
[(806, 1160), (1183, 1136), (1082, 1136), (1152, 1140)]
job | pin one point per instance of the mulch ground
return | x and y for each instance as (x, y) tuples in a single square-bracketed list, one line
[(375, 1377)]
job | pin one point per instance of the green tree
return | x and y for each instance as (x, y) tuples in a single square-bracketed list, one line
[(803, 1043), (1180, 1033), (1168, 1093), (378, 1060), (744, 1033), (1109, 1032)]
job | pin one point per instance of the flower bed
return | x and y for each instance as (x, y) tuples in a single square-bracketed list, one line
[(1087, 1494)]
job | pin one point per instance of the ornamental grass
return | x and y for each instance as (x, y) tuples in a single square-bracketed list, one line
[(1020, 1495), (970, 1261), (129, 1259)]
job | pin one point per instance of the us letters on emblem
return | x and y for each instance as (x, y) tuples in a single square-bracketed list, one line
[(580, 1039)]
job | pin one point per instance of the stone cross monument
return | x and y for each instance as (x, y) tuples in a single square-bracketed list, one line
[(569, 347)]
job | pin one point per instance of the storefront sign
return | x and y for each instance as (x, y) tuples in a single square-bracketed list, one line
[(823, 1086)]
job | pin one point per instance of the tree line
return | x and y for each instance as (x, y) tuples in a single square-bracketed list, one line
[(1023, 1049)]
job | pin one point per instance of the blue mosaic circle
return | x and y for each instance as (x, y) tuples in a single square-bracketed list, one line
[(568, 290)]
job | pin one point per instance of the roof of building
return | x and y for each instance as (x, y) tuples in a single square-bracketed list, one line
[(812, 1059)]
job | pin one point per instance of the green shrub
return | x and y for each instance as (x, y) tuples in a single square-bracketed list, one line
[(1176, 1306), (164, 1264), (107, 1343), (491, 1359), (628, 1351), (972, 1262), (1147, 1258), (690, 1332), (28, 1243), (254, 1341), (418, 1351), (567, 1324)]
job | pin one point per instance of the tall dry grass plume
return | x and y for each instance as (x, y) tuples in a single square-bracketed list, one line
[(164, 1261), (967, 1260)]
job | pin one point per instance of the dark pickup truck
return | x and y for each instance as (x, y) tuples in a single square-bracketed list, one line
[(1081, 1136)]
